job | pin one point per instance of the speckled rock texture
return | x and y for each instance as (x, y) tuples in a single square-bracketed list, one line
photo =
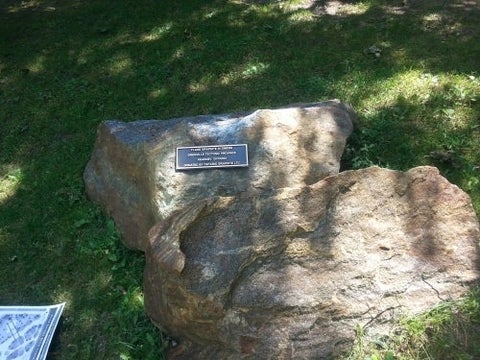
[(132, 169), (289, 275)]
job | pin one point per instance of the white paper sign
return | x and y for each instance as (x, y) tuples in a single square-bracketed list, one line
[(26, 331)]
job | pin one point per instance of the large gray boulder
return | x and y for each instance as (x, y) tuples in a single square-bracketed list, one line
[(132, 169), (285, 258), (290, 274)]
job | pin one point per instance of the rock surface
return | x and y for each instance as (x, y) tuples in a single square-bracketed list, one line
[(283, 259), (132, 169), (289, 274)]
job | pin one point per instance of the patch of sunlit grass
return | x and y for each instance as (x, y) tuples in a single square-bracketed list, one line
[(37, 64), (157, 93), (355, 9), (121, 63), (248, 70), (9, 183), (301, 16), (449, 331), (199, 86), (63, 296), (456, 92), (157, 33), (23, 5)]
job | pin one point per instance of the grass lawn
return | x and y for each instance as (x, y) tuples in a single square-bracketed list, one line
[(411, 71)]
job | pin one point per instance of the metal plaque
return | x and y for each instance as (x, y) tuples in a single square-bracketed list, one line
[(212, 157)]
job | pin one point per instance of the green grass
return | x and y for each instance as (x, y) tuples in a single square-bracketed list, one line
[(65, 66), (449, 331)]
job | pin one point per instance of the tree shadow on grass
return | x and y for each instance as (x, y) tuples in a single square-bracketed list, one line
[(64, 67)]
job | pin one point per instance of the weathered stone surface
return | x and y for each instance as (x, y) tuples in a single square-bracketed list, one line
[(132, 169), (290, 273), (281, 260)]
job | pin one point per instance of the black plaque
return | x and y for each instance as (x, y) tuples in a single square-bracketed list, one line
[(212, 157)]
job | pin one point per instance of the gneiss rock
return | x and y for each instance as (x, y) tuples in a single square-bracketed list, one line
[(290, 273), (132, 169), (283, 259)]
